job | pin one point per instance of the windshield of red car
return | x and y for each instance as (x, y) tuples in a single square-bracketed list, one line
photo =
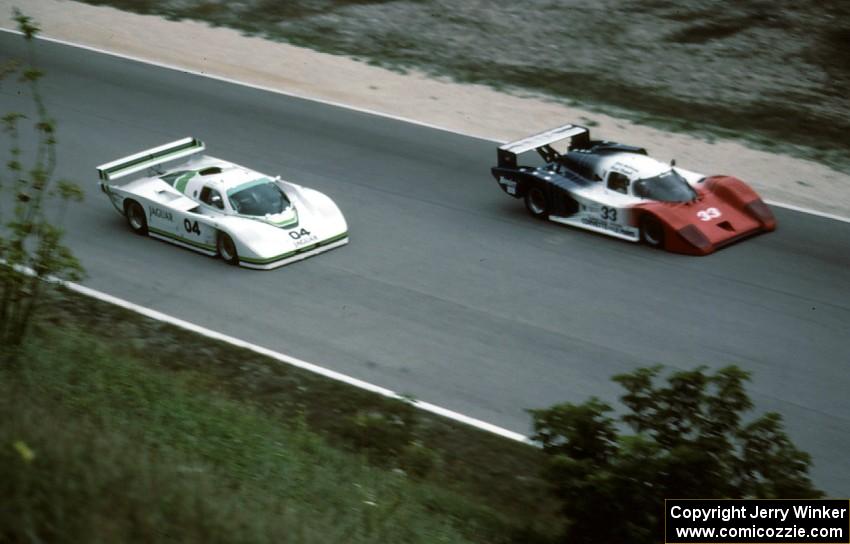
[(666, 187)]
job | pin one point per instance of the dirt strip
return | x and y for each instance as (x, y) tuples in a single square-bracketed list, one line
[(469, 109)]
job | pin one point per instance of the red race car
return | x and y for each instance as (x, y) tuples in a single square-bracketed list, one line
[(618, 190)]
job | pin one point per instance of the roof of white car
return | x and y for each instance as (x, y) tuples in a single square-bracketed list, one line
[(233, 177), (221, 174)]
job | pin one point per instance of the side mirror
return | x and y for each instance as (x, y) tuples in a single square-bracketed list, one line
[(672, 163)]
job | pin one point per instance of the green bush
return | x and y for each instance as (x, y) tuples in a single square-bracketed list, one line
[(689, 442), (30, 239)]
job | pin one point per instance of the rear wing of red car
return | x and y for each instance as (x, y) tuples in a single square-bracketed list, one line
[(579, 137)]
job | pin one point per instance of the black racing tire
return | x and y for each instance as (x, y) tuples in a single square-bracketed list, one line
[(652, 231), (536, 202), (136, 217), (226, 248)]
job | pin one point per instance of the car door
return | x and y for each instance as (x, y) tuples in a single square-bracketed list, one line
[(196, 228), (610, 211)]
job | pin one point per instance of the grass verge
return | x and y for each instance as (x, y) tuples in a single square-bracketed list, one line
[(119, 428)]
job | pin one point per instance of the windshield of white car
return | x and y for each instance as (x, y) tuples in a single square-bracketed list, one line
[(667, 187), (258, 197)]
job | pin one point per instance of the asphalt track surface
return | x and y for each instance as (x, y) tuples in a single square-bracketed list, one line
[(448, 290)]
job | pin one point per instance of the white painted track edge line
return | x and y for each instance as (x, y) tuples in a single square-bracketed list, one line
[(298, 363), (256, 86), (225, 79), (808, 211)]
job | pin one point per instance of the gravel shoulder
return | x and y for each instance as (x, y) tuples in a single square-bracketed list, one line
[(470, 109)]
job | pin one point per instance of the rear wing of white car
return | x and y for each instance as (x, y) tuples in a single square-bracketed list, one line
[(149, 158), (579, 137)]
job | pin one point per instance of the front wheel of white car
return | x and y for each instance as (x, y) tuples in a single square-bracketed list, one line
[(227, 249), (536, 203), (136, 217)]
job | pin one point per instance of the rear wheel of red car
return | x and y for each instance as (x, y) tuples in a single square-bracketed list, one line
[(536, 203), (652, 231), (136, 217), (227, 249)]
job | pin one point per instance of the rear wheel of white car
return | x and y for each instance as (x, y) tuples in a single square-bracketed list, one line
[(535, 201), (227, 249), (652, 231), (136, 217)]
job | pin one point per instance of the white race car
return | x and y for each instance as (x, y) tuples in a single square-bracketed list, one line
[(219, 208)]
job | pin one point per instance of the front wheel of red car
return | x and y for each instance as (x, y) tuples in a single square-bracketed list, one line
[(652, 231)]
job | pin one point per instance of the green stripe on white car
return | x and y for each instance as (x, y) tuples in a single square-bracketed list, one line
[(289, 219), (288, 254), (181, 239), (181, 182), (149, 158)]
